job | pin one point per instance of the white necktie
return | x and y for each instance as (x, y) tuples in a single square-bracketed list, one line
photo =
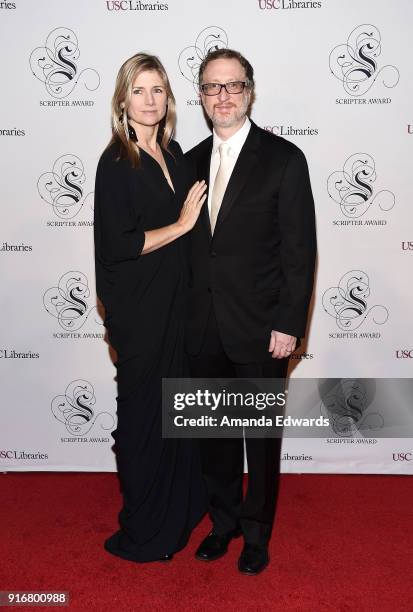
[(221, 182)]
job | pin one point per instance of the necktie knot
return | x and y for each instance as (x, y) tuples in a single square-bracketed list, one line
[(223, 149)]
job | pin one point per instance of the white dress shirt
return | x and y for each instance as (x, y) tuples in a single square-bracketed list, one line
[(236, 143)]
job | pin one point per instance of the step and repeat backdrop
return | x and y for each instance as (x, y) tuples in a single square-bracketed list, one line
[(334, 77)]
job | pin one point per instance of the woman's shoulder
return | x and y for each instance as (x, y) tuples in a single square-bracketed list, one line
[(111, 153), (112, 159)]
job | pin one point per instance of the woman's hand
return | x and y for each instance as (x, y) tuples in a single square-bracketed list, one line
[(157, 238), (192, 206)]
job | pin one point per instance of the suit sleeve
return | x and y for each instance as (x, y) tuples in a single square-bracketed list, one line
[(298, 246), (119, 235)]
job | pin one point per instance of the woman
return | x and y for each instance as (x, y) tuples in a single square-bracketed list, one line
[(142, 212)]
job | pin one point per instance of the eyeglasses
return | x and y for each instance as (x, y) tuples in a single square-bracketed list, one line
[(233, 87)]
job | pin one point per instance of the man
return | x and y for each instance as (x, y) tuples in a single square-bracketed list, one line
[(252, 265)]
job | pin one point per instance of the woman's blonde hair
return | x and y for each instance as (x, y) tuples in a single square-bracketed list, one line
[(121, 132)]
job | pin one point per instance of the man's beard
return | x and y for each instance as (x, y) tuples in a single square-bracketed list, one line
[(234, 118)]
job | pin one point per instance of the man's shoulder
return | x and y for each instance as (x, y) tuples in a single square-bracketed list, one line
[(199, 149), (277, 144)]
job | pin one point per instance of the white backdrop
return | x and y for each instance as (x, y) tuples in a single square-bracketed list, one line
[(334, 77)]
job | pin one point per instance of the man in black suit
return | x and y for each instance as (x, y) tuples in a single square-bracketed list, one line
[(252, 265)]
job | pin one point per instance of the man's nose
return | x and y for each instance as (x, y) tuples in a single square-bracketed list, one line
[(223, 95)]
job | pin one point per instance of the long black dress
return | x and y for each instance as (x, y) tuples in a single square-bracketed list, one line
[(145, 299)]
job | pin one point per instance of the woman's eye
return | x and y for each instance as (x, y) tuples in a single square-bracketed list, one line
[(137, 91), (158, 90)]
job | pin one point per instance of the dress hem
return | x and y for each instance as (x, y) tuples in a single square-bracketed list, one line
[(111, 545)]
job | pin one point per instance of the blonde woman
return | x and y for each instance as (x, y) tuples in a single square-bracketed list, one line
[(143, 209)]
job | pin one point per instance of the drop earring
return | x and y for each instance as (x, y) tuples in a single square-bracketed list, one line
[(132, 133)]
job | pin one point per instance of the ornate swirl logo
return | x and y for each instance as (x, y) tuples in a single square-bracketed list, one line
[(345, 402), (352, 188), (347, 303), (75, 409), (63, 187), (55, 64), (355, 63), (190, 58), (68, 301)]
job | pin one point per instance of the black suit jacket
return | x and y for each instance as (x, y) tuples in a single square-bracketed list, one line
[(257, 270)]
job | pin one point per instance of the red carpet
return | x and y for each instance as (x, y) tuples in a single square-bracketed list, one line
[(340, 543)]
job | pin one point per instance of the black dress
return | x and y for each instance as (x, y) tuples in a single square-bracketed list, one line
[(145, 300)]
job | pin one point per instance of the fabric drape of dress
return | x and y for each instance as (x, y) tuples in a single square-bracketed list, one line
[(144, 297)]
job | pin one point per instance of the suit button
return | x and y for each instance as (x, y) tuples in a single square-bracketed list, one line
[(209, 290), (213, 254)]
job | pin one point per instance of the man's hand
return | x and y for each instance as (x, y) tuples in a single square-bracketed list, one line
[(281, 345)]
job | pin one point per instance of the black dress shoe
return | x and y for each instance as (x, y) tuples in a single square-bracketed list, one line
[(167, 557), (215, 546), (253, 559)]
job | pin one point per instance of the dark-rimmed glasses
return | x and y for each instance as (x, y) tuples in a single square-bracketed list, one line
[(213, 89)]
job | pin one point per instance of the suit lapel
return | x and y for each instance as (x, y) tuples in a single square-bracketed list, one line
[(246, 161), (204, 164)]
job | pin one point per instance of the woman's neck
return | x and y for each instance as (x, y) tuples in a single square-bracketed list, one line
[(146, 135)]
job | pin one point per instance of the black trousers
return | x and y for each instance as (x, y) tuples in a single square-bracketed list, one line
[(223, 458)]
